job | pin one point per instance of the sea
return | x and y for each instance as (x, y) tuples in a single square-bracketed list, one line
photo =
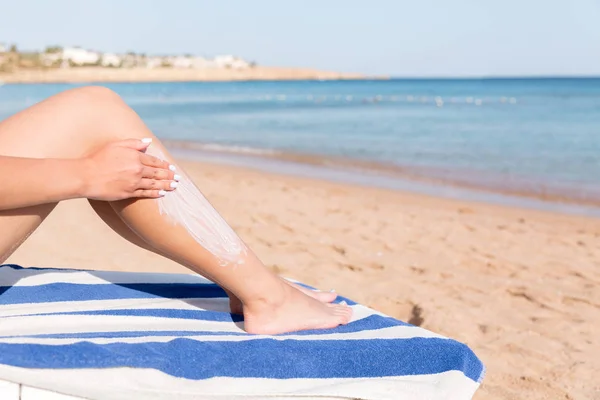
[(524, 142)]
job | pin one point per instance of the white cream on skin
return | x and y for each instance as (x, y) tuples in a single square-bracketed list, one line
[(187, 207)]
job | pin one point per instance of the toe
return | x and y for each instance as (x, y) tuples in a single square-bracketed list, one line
[(346, 312), (343, 312), (343, 318), (326, 297)]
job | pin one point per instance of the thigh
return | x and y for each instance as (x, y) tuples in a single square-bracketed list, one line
[(67, 125), (58, 127)]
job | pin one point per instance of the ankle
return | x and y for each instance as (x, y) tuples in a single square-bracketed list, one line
[(268, 298)]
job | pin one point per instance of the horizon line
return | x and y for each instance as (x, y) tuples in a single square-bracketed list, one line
[(484, 77)]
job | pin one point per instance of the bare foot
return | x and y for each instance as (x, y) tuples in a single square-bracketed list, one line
[(237, 307), (291, 310)]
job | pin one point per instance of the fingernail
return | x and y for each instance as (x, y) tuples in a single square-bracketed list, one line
[(172, 168), (162, 192), (343, 302), (174, 184), (332, 291), (177, 177), (147, 140)]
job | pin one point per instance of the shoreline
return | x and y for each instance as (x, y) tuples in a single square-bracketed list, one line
[(148, 75), (388, 176)]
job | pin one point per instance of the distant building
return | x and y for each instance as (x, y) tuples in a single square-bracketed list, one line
[(229, 61), (202, 63), (3, 57), (80, 57), (55, 56), (240, 64), (50, 59), (129, 61), (154, 62), (110, 60), (181, 62), (224, 61), (141, 60)]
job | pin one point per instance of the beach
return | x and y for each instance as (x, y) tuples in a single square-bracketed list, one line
[(519, 286), (99, 74)]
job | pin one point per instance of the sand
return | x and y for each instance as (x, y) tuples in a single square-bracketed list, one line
[(520, 287), (98, 74)]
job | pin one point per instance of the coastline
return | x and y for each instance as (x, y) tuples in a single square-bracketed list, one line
[(455, 267), (547, 192), (125, 75), (388, 176)]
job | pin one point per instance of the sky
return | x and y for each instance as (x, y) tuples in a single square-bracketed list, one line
[(417, 38)]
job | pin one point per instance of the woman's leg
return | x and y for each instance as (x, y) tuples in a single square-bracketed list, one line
[(17, 225), (112, 219), (184, 227)]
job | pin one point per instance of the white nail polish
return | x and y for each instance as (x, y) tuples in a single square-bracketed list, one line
[(147, 140), (174, 184), (332, 291), (343, 302), (162, 192), (172, 168), (177, 177)]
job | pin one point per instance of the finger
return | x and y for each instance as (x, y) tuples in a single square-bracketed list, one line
[(136, 144), (149, 193), (147, 183), (151, 161), (159, 174)]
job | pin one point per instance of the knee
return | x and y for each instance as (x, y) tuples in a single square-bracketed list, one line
[(94, 112), (92, 96), (91, 105)]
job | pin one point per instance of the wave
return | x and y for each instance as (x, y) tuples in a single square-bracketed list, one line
[(557, 193), (217, 147)]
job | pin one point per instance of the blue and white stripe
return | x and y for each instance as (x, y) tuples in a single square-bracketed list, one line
[(116, 335)]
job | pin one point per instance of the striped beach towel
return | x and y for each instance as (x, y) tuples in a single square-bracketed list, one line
[(118, 335)]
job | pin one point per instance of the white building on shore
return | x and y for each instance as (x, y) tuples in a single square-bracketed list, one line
[(181, 62), (154, 62), (111, 60), (55, 56), (202, 63), (50, 59), (80, 57), (229, 61)]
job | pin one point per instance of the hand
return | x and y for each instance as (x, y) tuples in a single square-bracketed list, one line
[(121, 170)]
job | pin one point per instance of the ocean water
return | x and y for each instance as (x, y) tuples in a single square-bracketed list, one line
[(529, 136)]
